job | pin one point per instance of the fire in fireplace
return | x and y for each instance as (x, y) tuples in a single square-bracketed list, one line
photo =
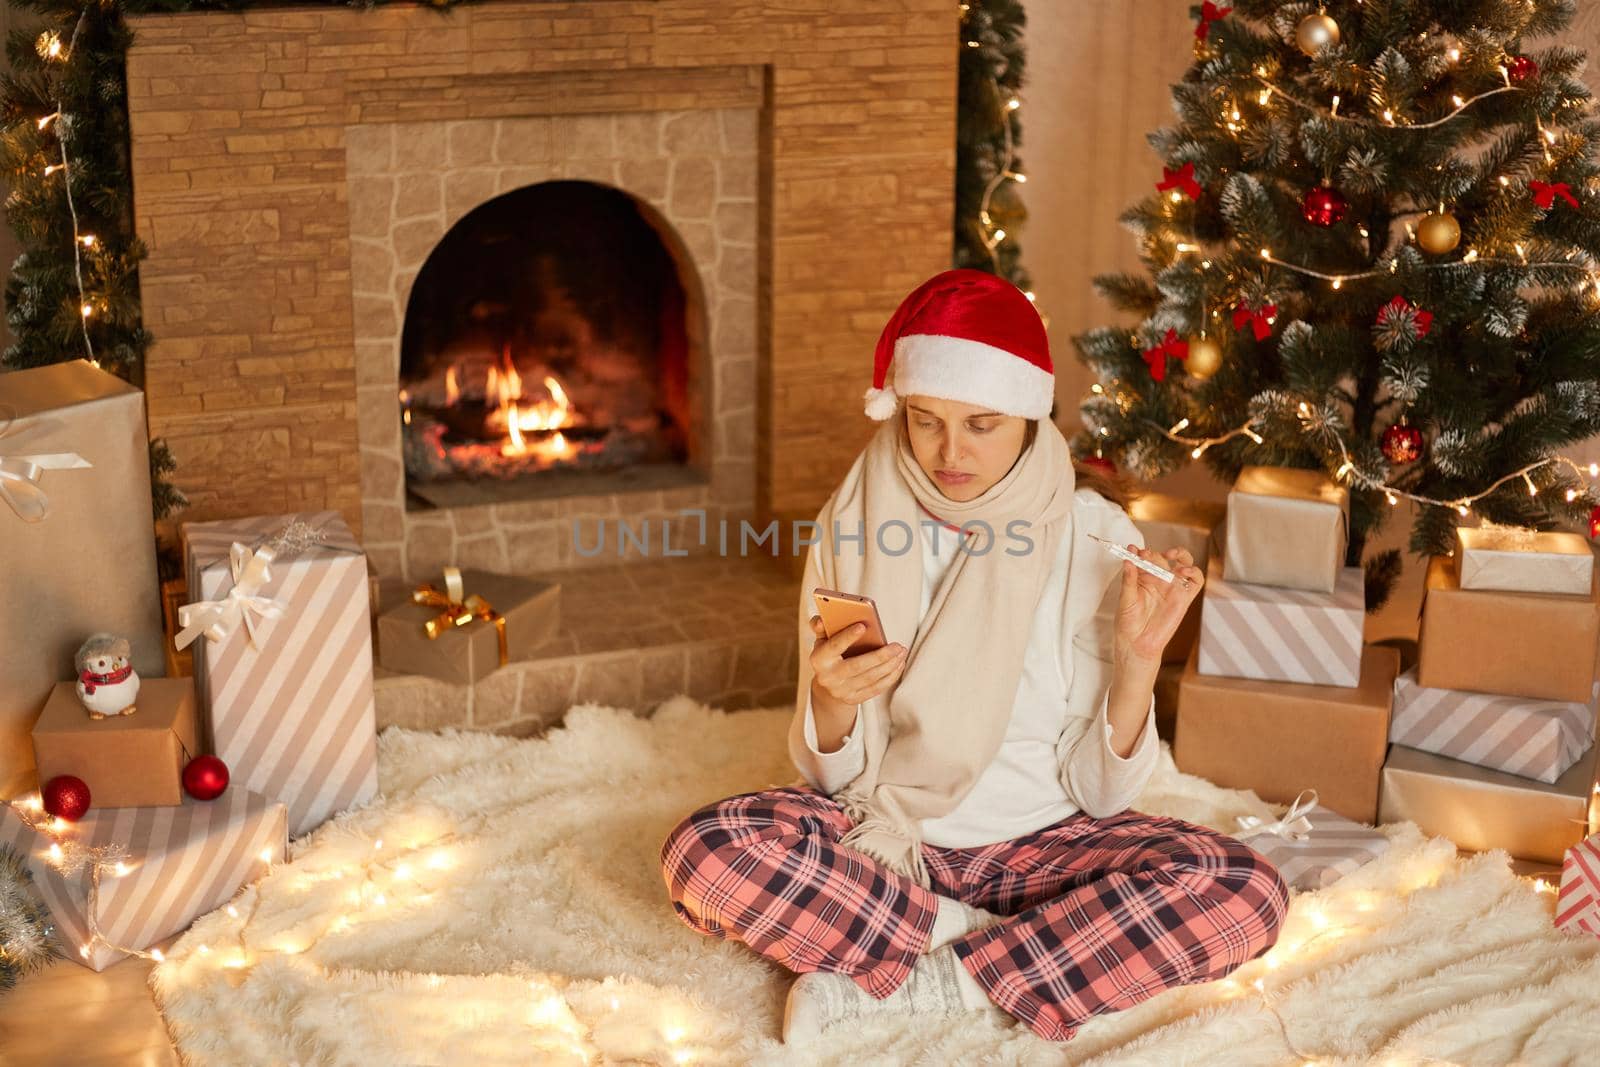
[(545, 346)]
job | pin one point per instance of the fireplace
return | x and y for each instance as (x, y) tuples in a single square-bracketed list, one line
[(545, 352)]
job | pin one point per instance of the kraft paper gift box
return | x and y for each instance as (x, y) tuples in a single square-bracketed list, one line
[(1311, 846), (1524, 561), (77, 540), (1282, 635), (1519, 735), (1175, 522), (1481, 809), (463, 654), (1286, 527), (1578, 902), (127, 761), (1280, 739), (285, 679), (1539, 645), (183, 861)]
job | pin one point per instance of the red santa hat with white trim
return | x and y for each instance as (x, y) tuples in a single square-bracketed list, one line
[(969, 336)]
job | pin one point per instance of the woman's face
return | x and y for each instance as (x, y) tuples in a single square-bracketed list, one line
[(963, 448)]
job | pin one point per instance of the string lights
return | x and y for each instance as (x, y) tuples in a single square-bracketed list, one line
[(49, 46)]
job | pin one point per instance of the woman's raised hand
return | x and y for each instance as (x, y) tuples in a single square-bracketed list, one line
[(1150, 610), (848, 682)]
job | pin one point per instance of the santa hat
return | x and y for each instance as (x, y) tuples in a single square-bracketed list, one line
[(969, 336)]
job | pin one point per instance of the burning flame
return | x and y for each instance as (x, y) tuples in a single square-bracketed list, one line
[(519, 415), (452, 385)]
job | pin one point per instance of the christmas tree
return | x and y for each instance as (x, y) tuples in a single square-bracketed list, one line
[(1372, 251), (27, 932)]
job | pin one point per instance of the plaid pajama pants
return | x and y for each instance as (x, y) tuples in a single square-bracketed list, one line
[(1100, 914)]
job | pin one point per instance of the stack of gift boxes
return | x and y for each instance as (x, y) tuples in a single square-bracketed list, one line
[(1494, 727), (1280, 694), (278, 623)]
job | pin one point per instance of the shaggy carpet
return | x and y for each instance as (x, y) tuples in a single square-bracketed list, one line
[(501, 903)]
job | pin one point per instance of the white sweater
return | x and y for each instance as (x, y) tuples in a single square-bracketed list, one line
[(1056, 757)]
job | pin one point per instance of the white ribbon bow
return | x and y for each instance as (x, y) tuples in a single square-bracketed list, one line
[(19, 478), (219, 618), (1294, 826)]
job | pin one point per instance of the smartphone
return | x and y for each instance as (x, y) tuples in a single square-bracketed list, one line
[(839, 610)]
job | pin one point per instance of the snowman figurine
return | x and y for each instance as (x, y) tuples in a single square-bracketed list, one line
[(107, 682)]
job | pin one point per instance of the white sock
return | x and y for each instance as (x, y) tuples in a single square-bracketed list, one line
[(954, 919), (973, 995)]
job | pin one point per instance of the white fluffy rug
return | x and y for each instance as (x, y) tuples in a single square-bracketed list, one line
[(514, 913)]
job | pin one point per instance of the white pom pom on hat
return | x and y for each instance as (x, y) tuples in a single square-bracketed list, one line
[(969, 336)]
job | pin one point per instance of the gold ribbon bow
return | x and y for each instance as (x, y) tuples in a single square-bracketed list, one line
[(219, 618), (1294, 826), (458, 609), (19, 477)]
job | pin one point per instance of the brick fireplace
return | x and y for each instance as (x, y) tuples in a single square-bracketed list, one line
[(295, 169)]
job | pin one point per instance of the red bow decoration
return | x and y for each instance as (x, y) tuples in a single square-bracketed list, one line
[(1183, 178), (1209, 13), (1260, 319), (1399, 306), (1545, 193), (1171, 345)]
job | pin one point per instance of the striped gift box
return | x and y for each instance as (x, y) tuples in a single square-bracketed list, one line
[(1578, 903), (1519, 735), (184, 860), (1282, 635), (292, 713), (1335, 847)]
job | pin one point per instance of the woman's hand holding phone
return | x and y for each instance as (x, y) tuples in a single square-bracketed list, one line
[(839, 684)]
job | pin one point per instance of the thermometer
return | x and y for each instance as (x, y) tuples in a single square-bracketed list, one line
[(1143, 564)]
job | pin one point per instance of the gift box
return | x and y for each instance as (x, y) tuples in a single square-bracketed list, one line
[(1282, 635), (182, 862), (1278, 739), (1286, 527), (1538, 645), (283, 670), (1578, 902), (1516, 560), (1311, 846), (1519, 735), (1480, 809), (127, 761), (77, 542), (462, 626), (1175, 522)]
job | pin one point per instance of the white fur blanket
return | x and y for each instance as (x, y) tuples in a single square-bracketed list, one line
[(515, 913)]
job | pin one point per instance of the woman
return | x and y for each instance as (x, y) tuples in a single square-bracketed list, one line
[(964, 840)]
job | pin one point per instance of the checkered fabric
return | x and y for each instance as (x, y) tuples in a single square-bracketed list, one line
[(1100, 914)]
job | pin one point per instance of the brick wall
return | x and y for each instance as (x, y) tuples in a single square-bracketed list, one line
[(239, 127)]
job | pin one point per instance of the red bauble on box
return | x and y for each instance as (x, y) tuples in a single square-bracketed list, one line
[(205, 778), (66, 797), (1520, 68), (1324, 206), (1402, 443)]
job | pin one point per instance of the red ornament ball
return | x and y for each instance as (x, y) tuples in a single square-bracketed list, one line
[(1520, 68), (1099, 463), (1402, 443), (1324, 206), (1594, 523), (66, 797), (205, 778)]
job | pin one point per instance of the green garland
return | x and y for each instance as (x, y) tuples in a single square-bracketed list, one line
[(73, 65), (27, 933)]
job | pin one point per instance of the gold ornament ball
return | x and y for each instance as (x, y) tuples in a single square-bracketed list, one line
[(1438, 232), (1205, 356), (1316, 32)]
